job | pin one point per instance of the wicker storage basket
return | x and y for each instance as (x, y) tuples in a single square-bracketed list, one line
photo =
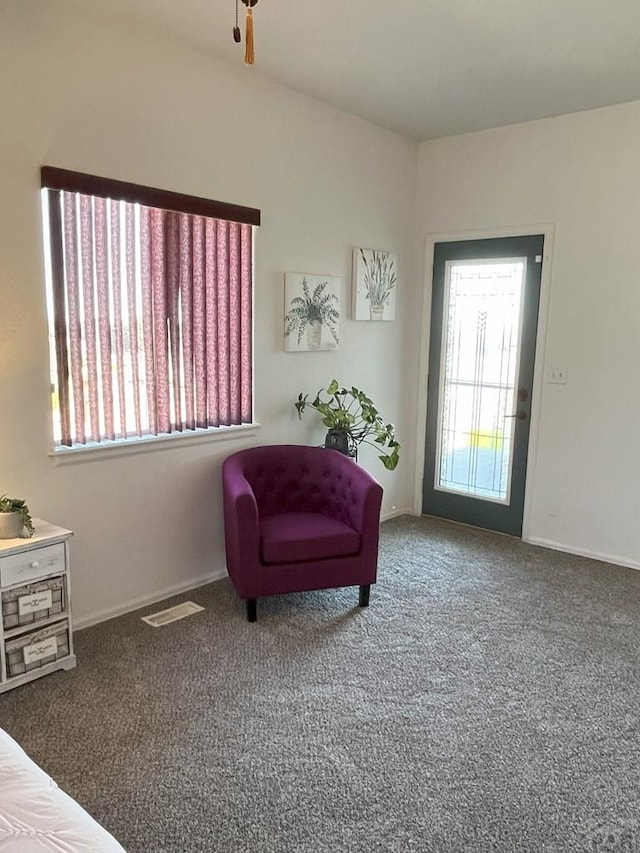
[(37, 648), (27, 605)]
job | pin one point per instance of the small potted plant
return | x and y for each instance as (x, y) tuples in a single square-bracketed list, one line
[(310, 312), (15, 518), (351, 420)]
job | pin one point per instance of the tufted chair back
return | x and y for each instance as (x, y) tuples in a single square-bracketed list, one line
[(296, 478)]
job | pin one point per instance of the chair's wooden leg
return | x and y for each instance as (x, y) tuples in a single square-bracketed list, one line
[(252, 609), (365, 589)]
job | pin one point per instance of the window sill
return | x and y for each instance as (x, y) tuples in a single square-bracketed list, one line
[(148, 444)]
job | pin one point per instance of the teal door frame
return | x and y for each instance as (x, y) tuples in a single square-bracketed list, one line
[(547, 230)]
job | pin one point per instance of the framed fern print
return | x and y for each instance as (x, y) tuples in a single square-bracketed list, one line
[(312, 312)]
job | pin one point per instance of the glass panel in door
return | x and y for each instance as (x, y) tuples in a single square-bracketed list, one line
[(482, 316)]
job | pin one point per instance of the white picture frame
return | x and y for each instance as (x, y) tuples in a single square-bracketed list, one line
[(375, 282), (311, 312)]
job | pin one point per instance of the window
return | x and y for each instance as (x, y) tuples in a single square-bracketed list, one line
[(150, 307)]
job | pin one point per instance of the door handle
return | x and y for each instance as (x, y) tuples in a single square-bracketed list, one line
[(519, 415)]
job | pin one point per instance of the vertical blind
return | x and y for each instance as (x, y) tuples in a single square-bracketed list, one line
[(152, 311)]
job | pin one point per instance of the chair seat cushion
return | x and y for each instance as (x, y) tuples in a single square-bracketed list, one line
[(291, 537)]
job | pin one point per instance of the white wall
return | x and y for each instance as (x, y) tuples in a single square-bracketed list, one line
[(582, 173), (80, 95)]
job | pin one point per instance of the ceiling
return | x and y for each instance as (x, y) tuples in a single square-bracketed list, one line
[(424, 68)]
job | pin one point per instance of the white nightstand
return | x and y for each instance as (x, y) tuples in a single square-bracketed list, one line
[(36, 635)]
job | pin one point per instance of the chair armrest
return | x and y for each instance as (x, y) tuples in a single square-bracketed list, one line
[(365, 512), (361, 502), (241, 530)]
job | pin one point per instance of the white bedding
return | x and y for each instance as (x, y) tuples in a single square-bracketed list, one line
[(36, 816)]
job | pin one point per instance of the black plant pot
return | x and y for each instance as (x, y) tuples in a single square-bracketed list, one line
[(338, 439)]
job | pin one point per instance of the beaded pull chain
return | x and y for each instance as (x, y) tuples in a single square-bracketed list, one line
[(237, 37)]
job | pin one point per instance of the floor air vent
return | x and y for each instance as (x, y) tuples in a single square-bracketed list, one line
[(172, 614)]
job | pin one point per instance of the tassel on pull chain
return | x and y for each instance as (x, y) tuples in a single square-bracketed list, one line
[(249, 56)]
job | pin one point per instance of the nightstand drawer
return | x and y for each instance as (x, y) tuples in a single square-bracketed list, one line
[(34, 563), (35, 649), (33, 602)]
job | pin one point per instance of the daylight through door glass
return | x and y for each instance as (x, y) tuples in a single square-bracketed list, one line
[(479, 375)]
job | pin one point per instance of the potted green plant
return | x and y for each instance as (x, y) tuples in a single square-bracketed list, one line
[(15, 518), (310, 312), (352, 419)]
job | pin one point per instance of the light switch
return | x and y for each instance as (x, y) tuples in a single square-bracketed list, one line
[(557, 375)]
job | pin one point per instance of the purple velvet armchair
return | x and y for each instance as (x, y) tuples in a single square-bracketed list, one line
[(299, 518)]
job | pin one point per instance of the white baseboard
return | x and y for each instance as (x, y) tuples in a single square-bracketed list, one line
[(615, 559), (220, 573), (387, 516), (177, 589), (145, 600)]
